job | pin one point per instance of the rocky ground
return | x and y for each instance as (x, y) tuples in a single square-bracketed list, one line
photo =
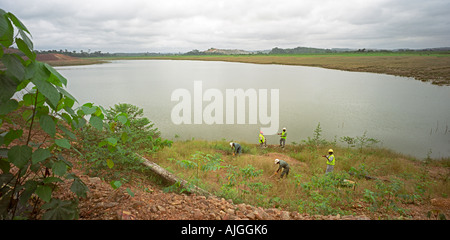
[(105, 203), (150, 202)]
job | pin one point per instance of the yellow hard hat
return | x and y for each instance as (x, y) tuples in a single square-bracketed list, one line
[(331, 150)]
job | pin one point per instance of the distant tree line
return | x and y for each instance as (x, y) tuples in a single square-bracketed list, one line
[(274, 51), (89, 53), (77, 54)]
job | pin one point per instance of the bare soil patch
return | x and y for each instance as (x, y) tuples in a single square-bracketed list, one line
[(56, 59)]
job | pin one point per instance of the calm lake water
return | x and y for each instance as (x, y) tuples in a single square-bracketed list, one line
[(406, 115)]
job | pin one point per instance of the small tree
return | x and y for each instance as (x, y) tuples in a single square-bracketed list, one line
[(33, 167), (364, 141)]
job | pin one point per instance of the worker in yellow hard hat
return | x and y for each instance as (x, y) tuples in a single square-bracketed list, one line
[(330, 161), (262, 140), (283, 135)]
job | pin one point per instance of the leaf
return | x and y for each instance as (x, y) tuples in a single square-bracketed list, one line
[(102, 143), (112, 141), (62, 79), (61, 158), (8, 106), (60, 210), (130, 192), (26, 40), (67, 132), (17, 22), (124, 137), (59, 168), (64, 143), (109, 163), (4, 166), (14, 66), (68, 101), (39, 79), (11, 135), (44, 192), (40, 155), (88, 108), (122, 118), (6, 30), (79, 188), (19, 155), (29, 99), (51, 180), (25, 49), (78, 122), (7, 88), (99, 113), (115, 184), (48, 125), (96, 122), (30, 188)]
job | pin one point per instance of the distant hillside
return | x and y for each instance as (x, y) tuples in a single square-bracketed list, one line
[(57, 59), (216, 51), (276, 50), (46, 57), (227, 51), (43, 57), (299, 50)]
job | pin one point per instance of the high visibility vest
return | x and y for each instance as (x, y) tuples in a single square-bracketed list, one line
[(261, 138), (283, 134), (331, 160)]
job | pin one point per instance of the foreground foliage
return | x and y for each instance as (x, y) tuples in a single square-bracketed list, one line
[(34, 167), (40, 127)]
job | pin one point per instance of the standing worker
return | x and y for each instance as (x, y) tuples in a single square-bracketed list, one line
[(283, 135), (237, 148), (283, 165), (330, 161), (262, 140)]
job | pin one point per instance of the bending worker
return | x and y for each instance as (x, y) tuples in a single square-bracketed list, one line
[(237, 148), (283, 137), (283, 165), (330, 161), (262, 140)]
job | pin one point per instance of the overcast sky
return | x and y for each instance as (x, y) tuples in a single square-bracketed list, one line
[(184, 25)]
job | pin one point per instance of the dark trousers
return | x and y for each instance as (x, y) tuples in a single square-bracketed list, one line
[(285, 171), (282, 142)]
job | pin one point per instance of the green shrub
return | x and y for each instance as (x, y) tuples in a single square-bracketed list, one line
[(115, 143)]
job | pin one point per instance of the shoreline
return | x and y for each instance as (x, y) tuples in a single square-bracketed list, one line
[(431, 69), (77, 62)]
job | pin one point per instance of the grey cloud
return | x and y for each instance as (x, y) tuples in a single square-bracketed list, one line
[(171, 25)]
